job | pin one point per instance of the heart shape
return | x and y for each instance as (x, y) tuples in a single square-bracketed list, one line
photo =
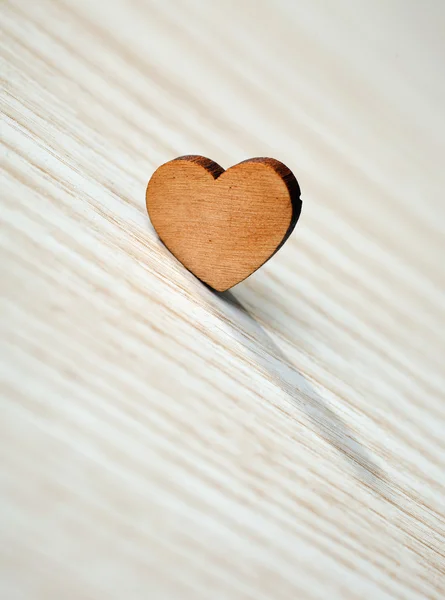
[(223, 225)]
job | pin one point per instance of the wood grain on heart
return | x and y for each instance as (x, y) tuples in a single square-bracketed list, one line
[(223, 225)]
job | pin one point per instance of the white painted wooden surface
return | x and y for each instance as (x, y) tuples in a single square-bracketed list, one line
[(159, 441)]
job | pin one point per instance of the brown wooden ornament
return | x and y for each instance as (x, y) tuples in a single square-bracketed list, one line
[(223, 225)]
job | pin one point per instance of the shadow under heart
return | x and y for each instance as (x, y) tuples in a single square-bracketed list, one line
[(272, 360)]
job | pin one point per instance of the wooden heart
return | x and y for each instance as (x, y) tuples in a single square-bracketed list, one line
[(223, 225)]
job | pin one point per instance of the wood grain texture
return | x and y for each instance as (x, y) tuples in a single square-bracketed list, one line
[(223, 225), (285, 440)]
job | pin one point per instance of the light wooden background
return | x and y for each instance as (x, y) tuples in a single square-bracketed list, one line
[(283, 441)]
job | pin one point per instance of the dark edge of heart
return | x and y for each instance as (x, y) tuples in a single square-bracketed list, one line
[(210, 166), (280, 169)]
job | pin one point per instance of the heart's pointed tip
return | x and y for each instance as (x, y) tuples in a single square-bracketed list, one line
[(217, 287), (221, 289)]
